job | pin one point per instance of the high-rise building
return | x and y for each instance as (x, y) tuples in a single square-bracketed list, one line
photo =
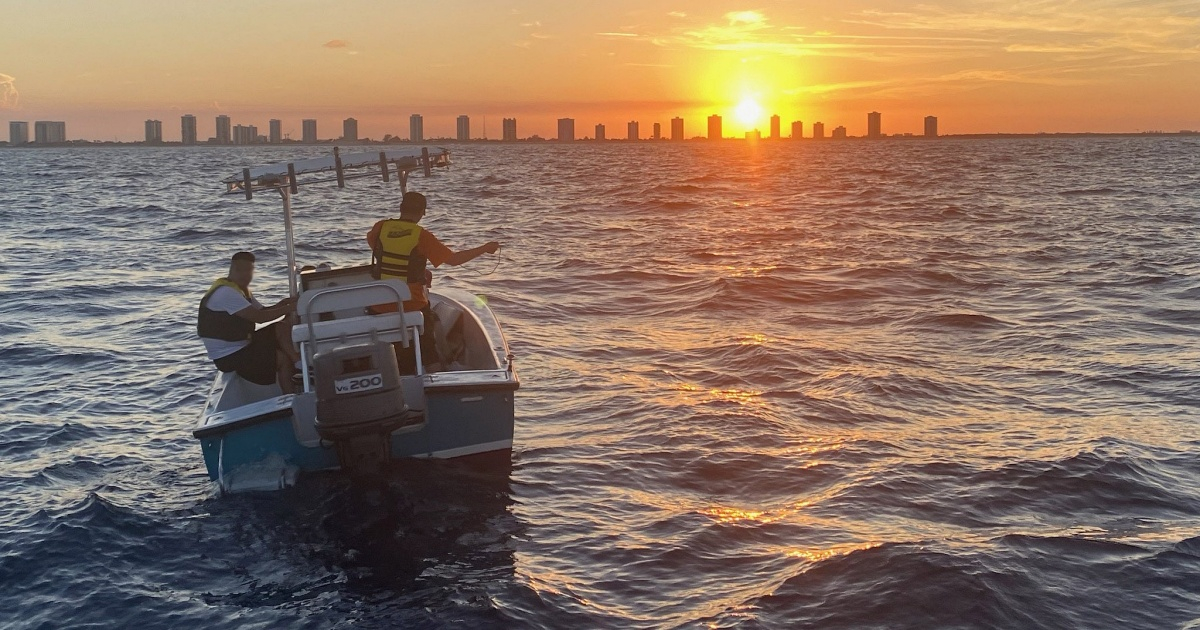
[(309, 133), (797, 130), (874, 125), (600, 132), (187, 129), (241, 134), (18, 132), (350, 130), (714, 127), (464, 128), (245, 134), (416, 128), (931, 126), (838, 132), (276, 131), (775, 127), (657, 135), (223, 126), (753, 135), (818, 130), (510, 129), (566, 129), (49, 132), (153, 132), (677, 128), (631, 131)]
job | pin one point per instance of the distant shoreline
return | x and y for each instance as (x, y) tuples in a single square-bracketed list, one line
[(536, 140)]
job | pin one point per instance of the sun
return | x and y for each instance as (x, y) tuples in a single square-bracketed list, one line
[(748, 112)]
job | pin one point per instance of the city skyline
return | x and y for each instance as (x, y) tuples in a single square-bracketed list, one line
[(225, 133), (1112, 68)]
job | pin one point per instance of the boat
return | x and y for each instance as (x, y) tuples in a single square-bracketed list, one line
[(353, 410)]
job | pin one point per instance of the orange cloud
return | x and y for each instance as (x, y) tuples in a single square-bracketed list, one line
[(336, 43)]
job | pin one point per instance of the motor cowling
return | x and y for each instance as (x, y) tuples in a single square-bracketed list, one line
[(361, 402)]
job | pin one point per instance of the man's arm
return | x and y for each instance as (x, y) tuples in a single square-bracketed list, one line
[(467, 255), (261, 315), (373, 235)]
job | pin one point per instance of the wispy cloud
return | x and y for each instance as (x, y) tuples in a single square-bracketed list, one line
[(745, 17), (935, 48), (739, 28), (531, 37), (826, 88), (1162, 27), (1053, 48), (336, 43), (1151, 18), (1029, 76), (9, 97), (753, 33), (938, 84)]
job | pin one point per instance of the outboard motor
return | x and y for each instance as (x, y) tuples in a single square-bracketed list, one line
[(361, 401)]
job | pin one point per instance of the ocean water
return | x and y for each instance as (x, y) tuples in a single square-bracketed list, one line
[(947, 384)]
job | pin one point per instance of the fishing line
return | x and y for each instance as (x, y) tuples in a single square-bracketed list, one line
[(499, 257)]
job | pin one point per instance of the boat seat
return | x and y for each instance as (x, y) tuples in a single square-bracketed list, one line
[(389, 327), (394, 327), (355, 298)]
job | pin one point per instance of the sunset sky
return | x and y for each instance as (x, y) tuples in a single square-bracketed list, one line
[(979, 65)]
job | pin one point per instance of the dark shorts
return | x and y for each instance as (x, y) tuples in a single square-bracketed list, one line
[(256, 362)]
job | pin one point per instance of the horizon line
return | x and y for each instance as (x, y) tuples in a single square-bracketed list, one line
[(535, 139)]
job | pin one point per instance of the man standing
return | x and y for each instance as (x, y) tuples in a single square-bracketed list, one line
[(228, 313), (401, 249)]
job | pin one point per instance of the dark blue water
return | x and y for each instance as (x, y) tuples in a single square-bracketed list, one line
[(945, 384)]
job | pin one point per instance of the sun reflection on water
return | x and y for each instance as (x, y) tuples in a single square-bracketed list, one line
[(756, 339), (820, 555), (703, 395), (751, 271), (737, 515)]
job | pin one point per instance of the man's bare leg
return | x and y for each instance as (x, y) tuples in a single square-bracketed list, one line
[(285, 370), (283, 340)]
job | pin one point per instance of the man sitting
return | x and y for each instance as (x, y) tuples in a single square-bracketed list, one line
[(401, 249), (228, 313)]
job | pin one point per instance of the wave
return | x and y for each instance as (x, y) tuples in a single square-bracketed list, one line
[(967, 321), (1087, 192), (45, 356), (895, 584), (197, 234), (23, 437)]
